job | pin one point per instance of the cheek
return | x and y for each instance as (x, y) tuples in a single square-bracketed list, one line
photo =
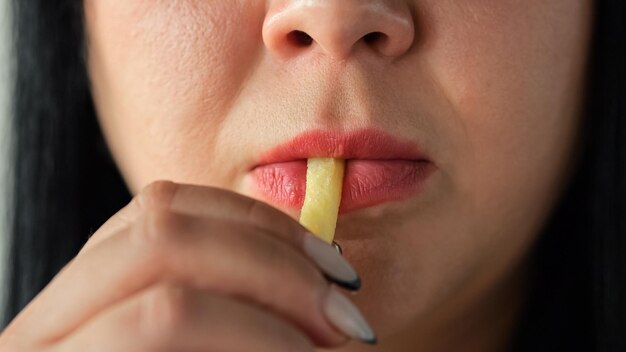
[(510, 78), (513, 76), (160, 78)]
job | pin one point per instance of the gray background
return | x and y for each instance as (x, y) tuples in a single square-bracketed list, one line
[(4, 88)]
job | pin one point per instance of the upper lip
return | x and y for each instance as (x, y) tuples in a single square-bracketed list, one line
[(368, 143)]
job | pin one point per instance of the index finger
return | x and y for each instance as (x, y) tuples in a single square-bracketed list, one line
[(202, 201)]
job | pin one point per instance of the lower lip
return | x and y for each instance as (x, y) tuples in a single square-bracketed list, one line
[(366, 182)]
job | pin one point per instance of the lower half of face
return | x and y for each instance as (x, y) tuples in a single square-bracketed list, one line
[(486, 93)]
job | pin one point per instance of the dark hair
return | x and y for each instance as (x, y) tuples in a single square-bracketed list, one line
[(65, 184)]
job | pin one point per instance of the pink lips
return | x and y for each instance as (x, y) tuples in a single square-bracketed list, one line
[(379, 168)]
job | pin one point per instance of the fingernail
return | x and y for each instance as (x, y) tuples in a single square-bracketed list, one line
[(333, 265), (346, 317)]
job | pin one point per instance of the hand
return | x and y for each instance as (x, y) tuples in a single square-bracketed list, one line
[(191, 268)]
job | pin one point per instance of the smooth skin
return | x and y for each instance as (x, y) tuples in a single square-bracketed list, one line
[(174, 285), (193, 91)]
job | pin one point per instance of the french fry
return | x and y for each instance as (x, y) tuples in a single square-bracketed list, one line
[(324, 182)]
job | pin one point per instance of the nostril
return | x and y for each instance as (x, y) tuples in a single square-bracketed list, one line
[(338, 28), (374, 37), (299, 38)]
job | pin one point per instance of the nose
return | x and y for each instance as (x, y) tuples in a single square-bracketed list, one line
[(338, 27)]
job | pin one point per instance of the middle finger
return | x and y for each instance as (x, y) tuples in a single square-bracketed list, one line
[(216, 255)]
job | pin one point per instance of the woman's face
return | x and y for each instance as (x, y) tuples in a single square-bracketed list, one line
[(199, 91)]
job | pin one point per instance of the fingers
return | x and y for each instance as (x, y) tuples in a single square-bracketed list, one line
[(220, 204), (169, 318), (168, 247), (204, 202), (208, 239)]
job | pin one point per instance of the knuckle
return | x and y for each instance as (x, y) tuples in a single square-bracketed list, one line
[(159, 224), (164, 311), (157, 195), (154, 234)]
